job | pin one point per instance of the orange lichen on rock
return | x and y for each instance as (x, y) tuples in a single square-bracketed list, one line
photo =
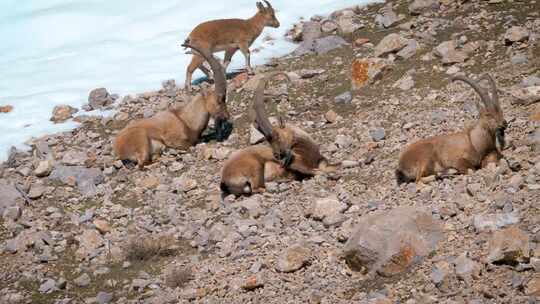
[(359, 73)]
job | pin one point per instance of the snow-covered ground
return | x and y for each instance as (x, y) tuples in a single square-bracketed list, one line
[(55, 51)]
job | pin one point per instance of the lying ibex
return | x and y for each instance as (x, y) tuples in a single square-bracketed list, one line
[(229, 35), (246, 171), (295, 148), (469, 149), (177, 128)]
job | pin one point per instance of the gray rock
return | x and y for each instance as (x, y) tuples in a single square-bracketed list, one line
[(525, 96), (409, 50), (386, 17), (487, 222), (519, 59), (293, 258), (406, 83), (449, 54), (74, 158), (311, 30), (344, 141), (10, 195), (389, 242), (86, 179), (530, 81), (419, 6), (255, 136), (83, 280), (104, 297), (99, 98), (344, 98), (48, 286), (329, 26), (89, 242), (516, 34), (466, 269), (12, 213), (390, 44), (347, 24), (509, 246), (320, 46), (44, 168), (377, 134), (327, 207), (439, 272)]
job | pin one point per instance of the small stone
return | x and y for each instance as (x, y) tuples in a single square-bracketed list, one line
[(344, 98), (377, 134), (530, 81), (104, 297), (466, 269), (184, 184), (294, 258), (83, 280), (48, 286), (327, 207), (406, 83), (516, 34), (519, 59), (12, 213), (387, 17), (409, 50), (449, 54), (252, 283), (150, 182), (344, 141), (102, 226), (62, 113), (487, 222), (439, 272), (255, 136), (533, 286), (331, 116)]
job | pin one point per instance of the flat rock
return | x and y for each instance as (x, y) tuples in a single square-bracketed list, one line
[(377, 134), (508, 246), (44, 168), (83, 280), (406, 83), (86, 179), (465, 268), (10, 195), (389, 242), (386, 17), (255, 136), (48, 286), (74, 158), (525, 96), (320, 46), (492, 222), (327, 207), (104, 297), (62, 113), (293, 258), (530, 81), (311, 30), (344, 98), (390, 44), (409, 50), (89, 241), (532, 287), (449, 54), (419, 6)]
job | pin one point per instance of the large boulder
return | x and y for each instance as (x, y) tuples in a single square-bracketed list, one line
[(390, 44), (386, 17), (85, 179), (509, 246), (389, 242), (516, 34), (10, 195), (99, 98)]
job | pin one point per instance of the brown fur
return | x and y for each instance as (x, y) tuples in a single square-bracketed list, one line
[(469, 149), (289, 141), (229, 35), (246, 170), (175, 128)]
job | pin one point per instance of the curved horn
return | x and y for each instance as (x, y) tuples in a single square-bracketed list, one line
[(494, 93), (220, 81), (483, 96), (268, 4), (261, 119)]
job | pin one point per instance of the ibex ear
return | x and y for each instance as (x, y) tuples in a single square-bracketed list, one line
[(260, 6)]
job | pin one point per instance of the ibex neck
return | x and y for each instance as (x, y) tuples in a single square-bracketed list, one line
[(482, 139), (195, 115), (257, 24)]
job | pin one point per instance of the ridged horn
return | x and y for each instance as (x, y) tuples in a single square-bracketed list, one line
[(261, 119), (483, 96)]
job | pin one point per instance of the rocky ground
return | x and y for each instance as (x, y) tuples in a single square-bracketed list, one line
[(78, 227)]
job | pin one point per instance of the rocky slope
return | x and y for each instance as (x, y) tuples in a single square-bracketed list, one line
[(78, 227)]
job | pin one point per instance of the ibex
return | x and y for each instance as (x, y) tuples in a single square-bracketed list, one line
[(295, 148), (247, 170), (177, 128), (229, 35), (471, 148)]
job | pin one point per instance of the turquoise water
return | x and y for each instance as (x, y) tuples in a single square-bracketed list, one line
[(55, 51)]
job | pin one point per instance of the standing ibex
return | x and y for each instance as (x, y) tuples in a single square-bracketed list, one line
[(469, 149), (229, 35), (295, 148), (177, 128)]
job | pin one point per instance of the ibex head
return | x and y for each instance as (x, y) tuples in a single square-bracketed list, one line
[(216, 100), (490, 111), (281, 138), (268, 13)]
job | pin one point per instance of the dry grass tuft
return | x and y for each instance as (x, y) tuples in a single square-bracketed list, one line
[(147, 247), (178, 276)]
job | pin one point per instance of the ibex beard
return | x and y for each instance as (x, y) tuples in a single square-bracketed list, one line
[(472, 148)]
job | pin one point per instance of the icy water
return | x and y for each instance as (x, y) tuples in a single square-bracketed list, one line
[(55, 51)]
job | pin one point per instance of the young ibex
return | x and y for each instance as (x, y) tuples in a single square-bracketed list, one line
[(229, 35), (247, 170), (177, 128), (295, 148), (469, 149)]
